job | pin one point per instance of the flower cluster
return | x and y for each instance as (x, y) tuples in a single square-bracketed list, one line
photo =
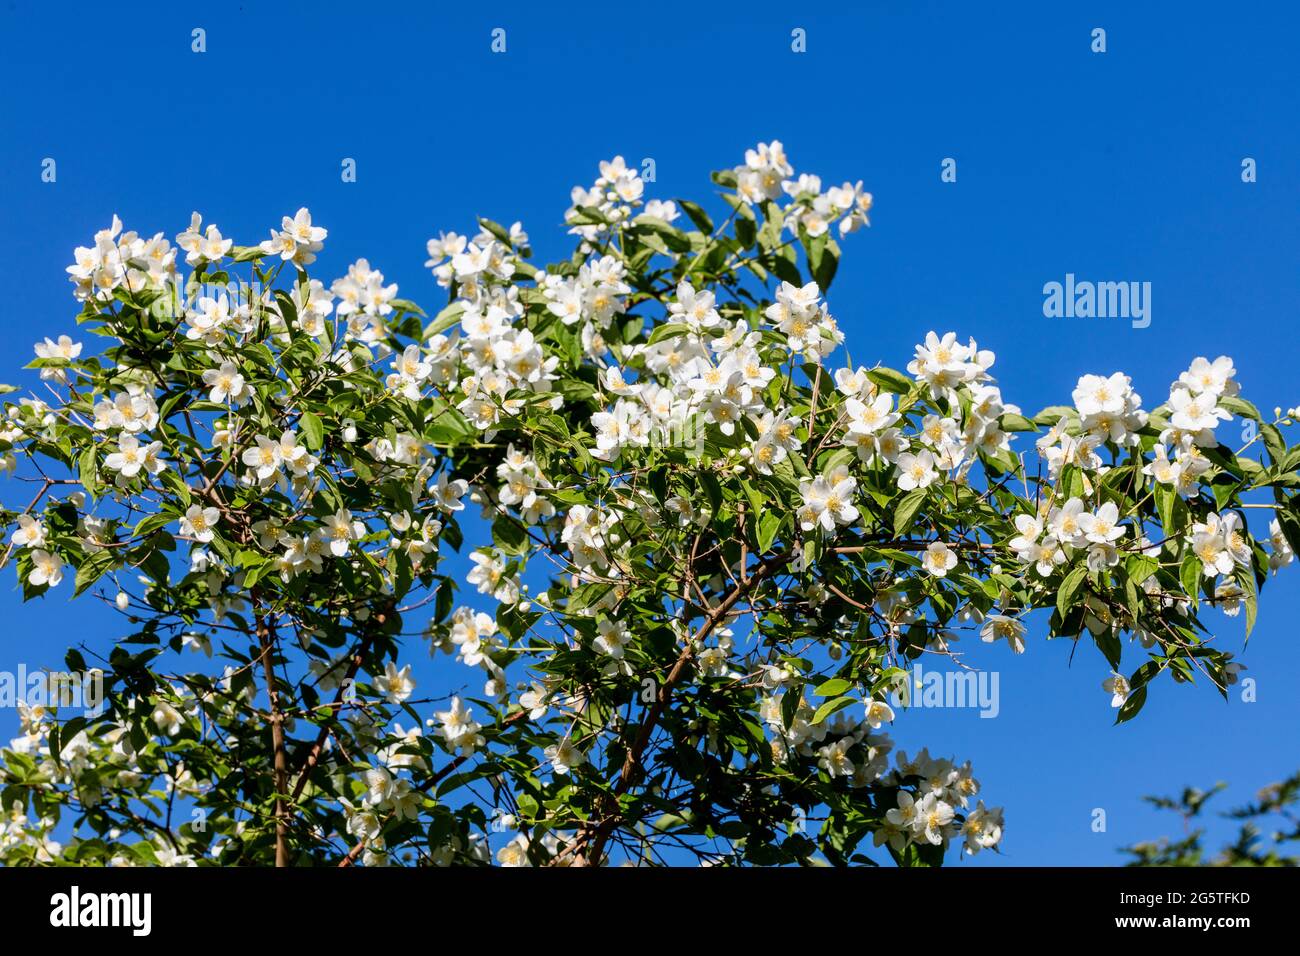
[(691, 517)]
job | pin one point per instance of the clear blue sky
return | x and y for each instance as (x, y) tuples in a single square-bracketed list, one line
[(1119, 166)]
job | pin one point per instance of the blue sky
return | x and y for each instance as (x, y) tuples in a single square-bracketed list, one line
[(1117, 166)]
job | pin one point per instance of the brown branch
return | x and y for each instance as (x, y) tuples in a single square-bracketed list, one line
[(267, 639), (313, 755), (844, 597), (589, 845)]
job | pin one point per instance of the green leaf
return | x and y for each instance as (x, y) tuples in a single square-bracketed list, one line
[(824, 260), (831, 707), (244, 253), (510, 535), (890, 380), (698, 215), (497, 230), (667, 330), (1239, 406), (1190, 576), (1251, 602), (92, 569), (1140, 567), (1065, 596), (406, 305), (1108, 643), (450, 427), (1130, 708), (313, 432), (768, 525), (149, 525), (586, 216), (1165, 495), (1273, 441), (907, 509), (1052, 414), (88, 470), (832, 688), (444, 320), (1012, 422), (713, 489)]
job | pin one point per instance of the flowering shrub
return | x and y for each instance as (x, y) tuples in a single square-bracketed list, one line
[(703, 555)]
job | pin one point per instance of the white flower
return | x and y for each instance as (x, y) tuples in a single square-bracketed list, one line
[(340, 531), (828, 500), (904, 814), (1229, 597), (264, 459), (878, 712), (207, 245), (1046, 555), (64, 348), (298, 241), (694, 308), (1000, 627), (1209, 546), (459, 729), (916, 471), (1102, 556), (834, 758), (1095, 395), (933, 817), (1282, 554), (1194, 413), (872, 416), (1236, 539), (227, 384), (1118, 687), (30, 533), (470, 633), (199, 523), (982, 828), (1102, 527), (47, 568), (1066, 523), (131, 457), (396, 686), (199, 643), (564, 756), (854, 383), (944, 363), (447, 494), (613, 636), (939, 559), (534, 700), (515, 853), (1029, 529), (1206, 377), (167, 718), (1162, 469), (488, 575)]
